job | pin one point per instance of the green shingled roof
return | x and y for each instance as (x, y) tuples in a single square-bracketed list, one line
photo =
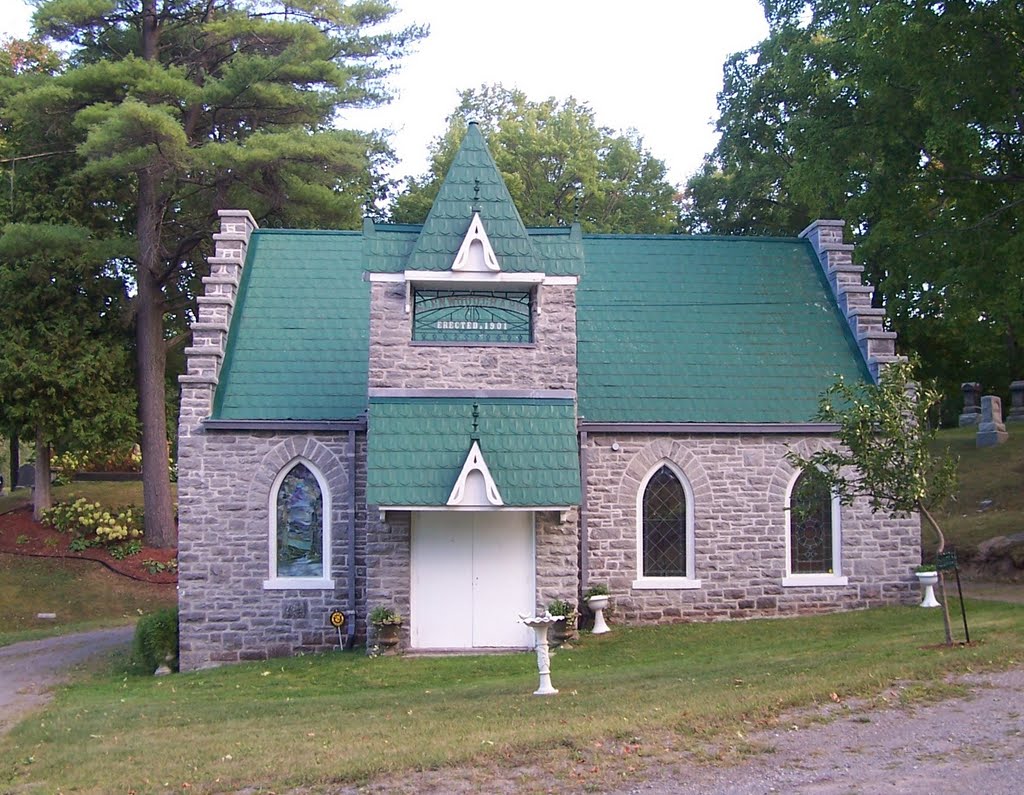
[(417, 447), (452, 212), (670, 328), (705, 329), (299, 341)]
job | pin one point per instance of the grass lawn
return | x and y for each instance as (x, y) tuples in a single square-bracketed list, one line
[(106, 492), (82, 593), (324, 721), (990, 497)]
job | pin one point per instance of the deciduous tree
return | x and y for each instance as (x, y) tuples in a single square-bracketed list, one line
[(906, 118), (65, 366), (886, 453), (558, 163)]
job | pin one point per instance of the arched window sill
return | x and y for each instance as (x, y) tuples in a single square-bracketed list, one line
[(665, 583), (810, 580), (298, 584)]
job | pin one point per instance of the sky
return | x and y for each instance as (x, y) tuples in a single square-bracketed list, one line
[(652, 65)]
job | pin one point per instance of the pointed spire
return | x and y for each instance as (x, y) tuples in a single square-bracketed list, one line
[(472, 182)]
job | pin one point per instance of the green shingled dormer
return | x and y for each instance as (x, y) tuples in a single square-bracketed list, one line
[(476, 413)]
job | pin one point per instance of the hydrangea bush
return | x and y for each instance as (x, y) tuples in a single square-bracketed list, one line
[(92, 525)]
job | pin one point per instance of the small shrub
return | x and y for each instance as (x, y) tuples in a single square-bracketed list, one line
[(156, 641), (81, 544), (560, 607), (22, 539), (157, 567), (127, 458), (383, 616), (122, 551), (599, 589), (90, 520)]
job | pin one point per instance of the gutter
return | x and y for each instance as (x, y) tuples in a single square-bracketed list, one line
[(709, 427), (584, 537), (350, 639)]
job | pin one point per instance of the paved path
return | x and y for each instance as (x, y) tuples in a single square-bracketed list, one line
[(29, 670)]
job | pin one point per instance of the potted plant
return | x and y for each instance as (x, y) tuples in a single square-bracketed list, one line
[(596, 597), (387, 623), (565, 630), (928, 576)]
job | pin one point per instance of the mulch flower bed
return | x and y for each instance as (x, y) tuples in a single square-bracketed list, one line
[(20, 534)]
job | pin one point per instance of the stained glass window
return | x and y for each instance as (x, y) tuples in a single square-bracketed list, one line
[(664, 526), (810, 527), (300, 525)]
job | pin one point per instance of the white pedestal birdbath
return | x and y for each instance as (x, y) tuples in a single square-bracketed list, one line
[(598, 604), (540, 626), (928, 579)]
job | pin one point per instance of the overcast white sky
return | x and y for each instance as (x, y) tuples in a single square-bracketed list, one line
[(655, 65)]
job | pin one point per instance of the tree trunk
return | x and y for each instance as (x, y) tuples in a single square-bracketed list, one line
[(15, 459), (942, 585), (42, 497), (160, 530)]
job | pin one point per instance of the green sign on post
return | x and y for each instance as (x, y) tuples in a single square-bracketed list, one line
[(946, 561)]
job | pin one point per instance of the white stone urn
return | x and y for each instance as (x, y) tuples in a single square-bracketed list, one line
[(597, 604), (928, 580)]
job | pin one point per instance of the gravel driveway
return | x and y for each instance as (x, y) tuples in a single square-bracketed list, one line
[(971, 745), (29, 670)]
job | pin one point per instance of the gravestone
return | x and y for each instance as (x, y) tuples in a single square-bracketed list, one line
[(991, 430), (1016, 402), (972, 411), (26, 477)]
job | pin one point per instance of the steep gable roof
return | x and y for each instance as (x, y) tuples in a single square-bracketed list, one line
[(473, 181), (299, 346), (669, 328), (707, 329)]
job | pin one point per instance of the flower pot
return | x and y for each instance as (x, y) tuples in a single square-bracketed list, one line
[(928, 580), (387, 635), (597, 605), (563, 632)]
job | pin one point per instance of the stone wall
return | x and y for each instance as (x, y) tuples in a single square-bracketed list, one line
[(557, 545), (739, 485), (388, 557), (398, 363), (226, 614), (877, 345)]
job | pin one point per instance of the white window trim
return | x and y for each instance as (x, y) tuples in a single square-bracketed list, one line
[(791, 580), (642, 581), (275, 583)]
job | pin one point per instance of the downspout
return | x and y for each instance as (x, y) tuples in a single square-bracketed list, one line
[(584, 540), (350, 640)]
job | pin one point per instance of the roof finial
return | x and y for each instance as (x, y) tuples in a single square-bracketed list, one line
[(577, 200), (475, 437), (476, 195)]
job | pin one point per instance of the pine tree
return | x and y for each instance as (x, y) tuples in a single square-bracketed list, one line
[(184, 107)]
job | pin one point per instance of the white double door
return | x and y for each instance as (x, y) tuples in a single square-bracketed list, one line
[(472, 575)]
